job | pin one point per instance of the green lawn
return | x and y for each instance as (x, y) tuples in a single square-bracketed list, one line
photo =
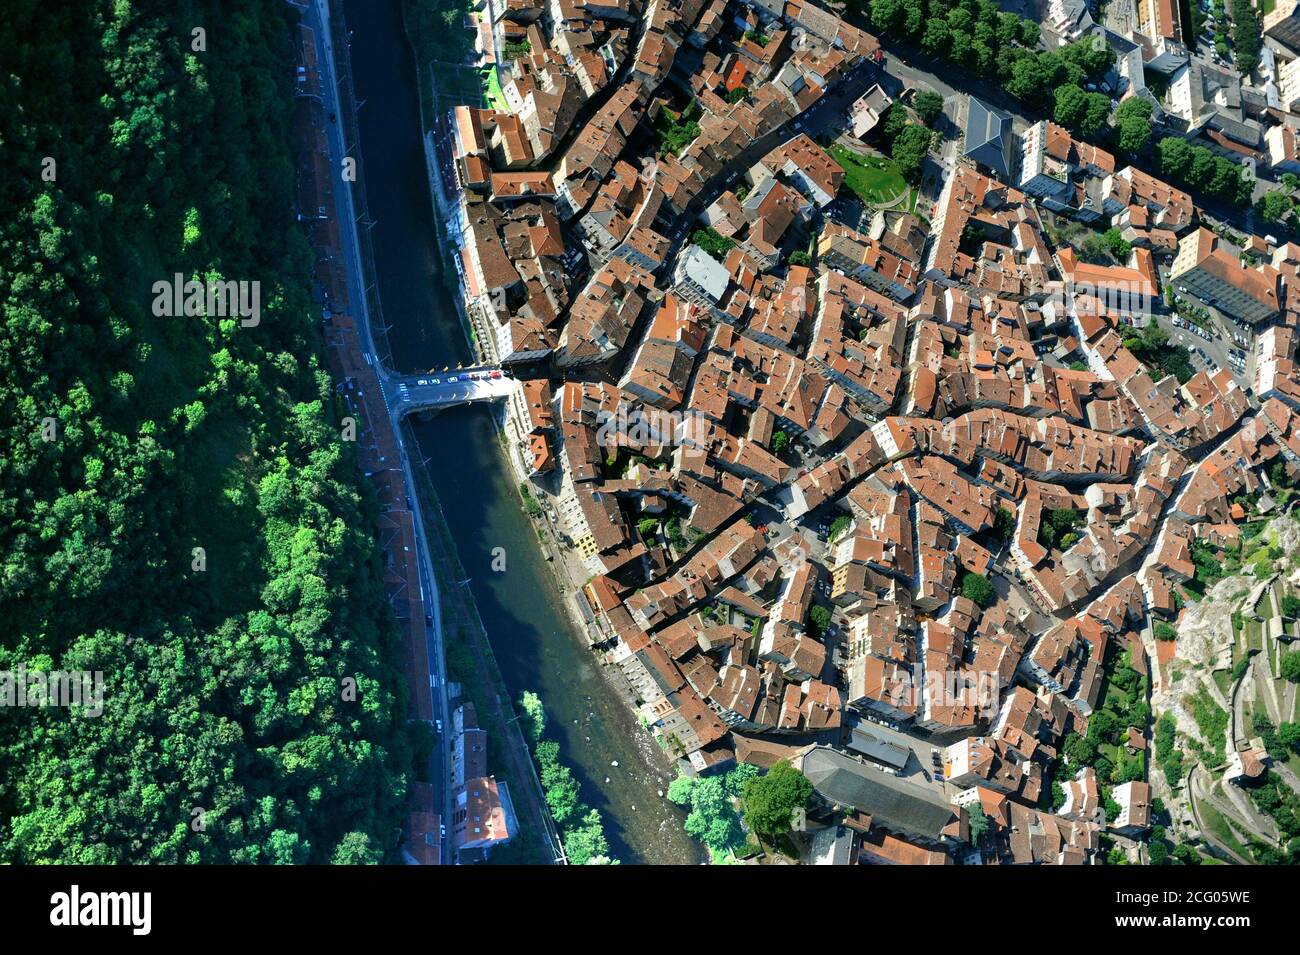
[(495, 97), (1218, 826), (913, 200), (1254, 631), (875, 180)]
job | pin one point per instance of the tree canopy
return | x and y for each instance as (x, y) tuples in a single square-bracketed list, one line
[(1133, 124), (928, 105), (770, 800), (1084, 113), (1291, 666), (712, 817), (180, 512), (978, 588), (1200, 170)]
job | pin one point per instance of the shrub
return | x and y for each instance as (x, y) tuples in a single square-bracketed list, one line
[(712, 242), (1291, 666)]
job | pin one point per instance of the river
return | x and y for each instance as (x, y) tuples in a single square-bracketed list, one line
[(532, 636)]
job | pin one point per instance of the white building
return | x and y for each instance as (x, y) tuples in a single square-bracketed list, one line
[(700, 277)]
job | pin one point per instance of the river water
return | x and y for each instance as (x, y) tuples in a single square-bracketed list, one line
[(619, 767)]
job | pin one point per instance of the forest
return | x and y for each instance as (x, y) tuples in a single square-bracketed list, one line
[(177, 510)]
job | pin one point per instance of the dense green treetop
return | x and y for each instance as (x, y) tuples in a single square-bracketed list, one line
[(251, 709), (770, 800)]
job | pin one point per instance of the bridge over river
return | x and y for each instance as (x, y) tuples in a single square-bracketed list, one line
[(436, 390)]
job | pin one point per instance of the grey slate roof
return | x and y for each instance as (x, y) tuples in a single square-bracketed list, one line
[(876, 745), (892, 803), (989, 137)]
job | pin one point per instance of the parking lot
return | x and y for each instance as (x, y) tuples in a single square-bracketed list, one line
[(1218, 342)]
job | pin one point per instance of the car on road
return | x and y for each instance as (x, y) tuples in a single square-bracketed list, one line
[(452, 380), (442, 829), (435, 381), (496, 374), (438, 723), (428, 618)]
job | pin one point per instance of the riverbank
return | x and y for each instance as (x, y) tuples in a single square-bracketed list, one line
[(472, 665), (530, 624), (528, 621)]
